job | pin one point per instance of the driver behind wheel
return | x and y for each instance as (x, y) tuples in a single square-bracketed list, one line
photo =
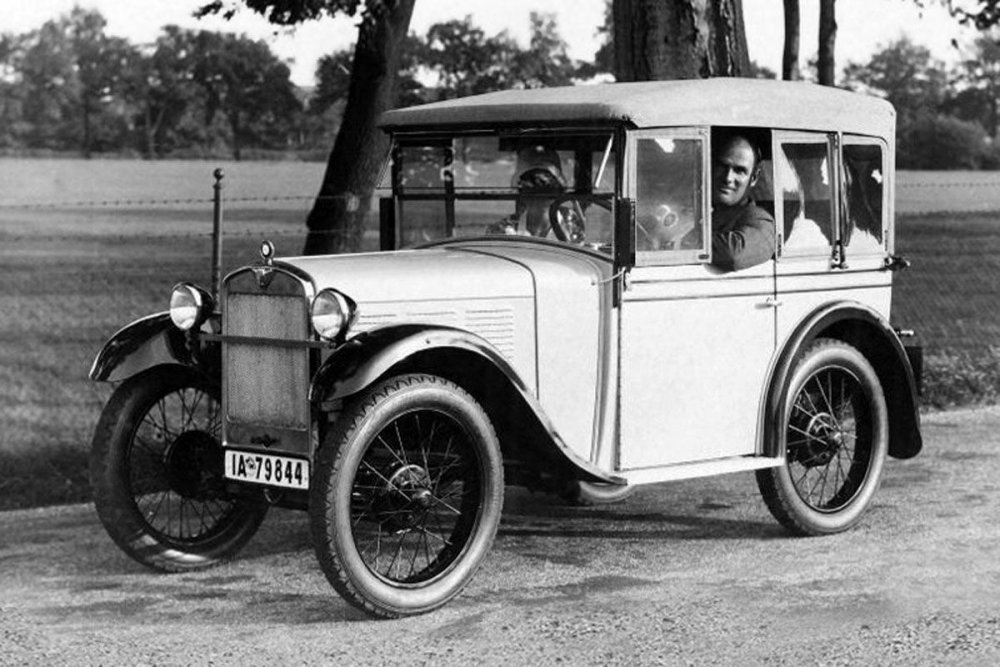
[(539, 180)]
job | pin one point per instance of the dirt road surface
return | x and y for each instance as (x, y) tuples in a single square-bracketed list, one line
[(695, 572)]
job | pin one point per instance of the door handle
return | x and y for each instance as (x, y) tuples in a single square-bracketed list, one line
[(771, 302)]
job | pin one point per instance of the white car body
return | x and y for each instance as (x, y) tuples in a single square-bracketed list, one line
[(549, 308)]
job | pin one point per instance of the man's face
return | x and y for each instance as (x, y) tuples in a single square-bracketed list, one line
[(536, 218), (733, 172)]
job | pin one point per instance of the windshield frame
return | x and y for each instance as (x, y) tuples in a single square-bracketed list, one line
[(605, 162)]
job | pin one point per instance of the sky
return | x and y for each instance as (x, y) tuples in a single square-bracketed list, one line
[(863, 26)]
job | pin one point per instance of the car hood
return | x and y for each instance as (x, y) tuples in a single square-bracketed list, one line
[(430, 274), (460, 270)]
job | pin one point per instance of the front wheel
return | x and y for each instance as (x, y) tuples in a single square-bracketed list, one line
[(836, 432), (157, 473), (406, 495)]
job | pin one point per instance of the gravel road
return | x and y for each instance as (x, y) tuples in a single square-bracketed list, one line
[(692, 572)]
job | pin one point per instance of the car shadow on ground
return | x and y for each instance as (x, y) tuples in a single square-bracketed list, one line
[(662, 512)]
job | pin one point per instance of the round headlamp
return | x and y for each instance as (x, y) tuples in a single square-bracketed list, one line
[(332, 313), (190, 306)]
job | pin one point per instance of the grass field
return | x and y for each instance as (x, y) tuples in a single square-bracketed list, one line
[(86, 247)]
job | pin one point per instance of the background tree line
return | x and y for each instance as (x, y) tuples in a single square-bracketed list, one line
[(70, 87)]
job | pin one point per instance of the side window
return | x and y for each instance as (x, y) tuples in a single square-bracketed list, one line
[(864, 200), (670, 198), (805, 192)]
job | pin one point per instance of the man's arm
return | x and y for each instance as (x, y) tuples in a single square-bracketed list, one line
[(747, 242)]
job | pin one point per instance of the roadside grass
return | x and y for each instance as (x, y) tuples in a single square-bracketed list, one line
[(961, 378), (73, 276), (69, 285), (949, 296)]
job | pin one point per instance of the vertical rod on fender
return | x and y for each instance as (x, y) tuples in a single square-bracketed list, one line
[(217, 236)]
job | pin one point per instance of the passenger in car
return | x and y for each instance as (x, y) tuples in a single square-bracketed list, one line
[(742, 232), (538, 178)]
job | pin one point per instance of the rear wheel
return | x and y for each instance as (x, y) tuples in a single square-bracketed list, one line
[(836, 431), (156, 468), (406, 496)]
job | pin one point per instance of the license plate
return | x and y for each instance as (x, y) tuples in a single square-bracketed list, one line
[(269, 469)]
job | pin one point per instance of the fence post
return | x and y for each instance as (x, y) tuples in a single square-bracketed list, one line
[(217, 236)]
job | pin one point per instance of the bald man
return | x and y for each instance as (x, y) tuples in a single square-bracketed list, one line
[(742, 232)]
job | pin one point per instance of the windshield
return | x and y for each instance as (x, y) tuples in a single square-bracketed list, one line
[(558, 186)]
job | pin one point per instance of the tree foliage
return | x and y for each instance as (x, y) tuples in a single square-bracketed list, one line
[(162, 92), (245, 84), (936, 141), (70, 86), (983, 14), (464, 60), (938, 126), (979, 97), (905, 74)]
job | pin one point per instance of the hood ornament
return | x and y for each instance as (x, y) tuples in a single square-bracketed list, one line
[(265, 273), (267, 253)]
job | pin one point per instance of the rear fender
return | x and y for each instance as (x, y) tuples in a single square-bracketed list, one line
[(145, 343), (361, 361), (866, 330)]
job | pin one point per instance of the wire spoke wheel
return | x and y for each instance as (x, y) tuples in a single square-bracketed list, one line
[(175, 467), (414, 497), (406, 496), (156, 467), (835, 437), (827, 460)]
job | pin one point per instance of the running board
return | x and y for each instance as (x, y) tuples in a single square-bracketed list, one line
[(700, 469)]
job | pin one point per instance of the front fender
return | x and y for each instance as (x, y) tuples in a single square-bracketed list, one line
[(147, 342), (866, 330), (361, 361)]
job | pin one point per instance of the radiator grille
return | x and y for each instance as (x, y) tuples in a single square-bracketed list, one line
[(266, 384)]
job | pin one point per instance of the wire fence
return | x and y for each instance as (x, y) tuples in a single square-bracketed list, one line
[(76, 269)]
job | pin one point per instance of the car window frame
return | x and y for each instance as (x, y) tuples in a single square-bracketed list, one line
[(680, 256), (835, 176), (846, 140)]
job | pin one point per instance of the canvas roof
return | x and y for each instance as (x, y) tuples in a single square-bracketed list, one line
[(696, 102)]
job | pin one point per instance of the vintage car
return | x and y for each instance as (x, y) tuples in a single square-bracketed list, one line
[(546, 310)]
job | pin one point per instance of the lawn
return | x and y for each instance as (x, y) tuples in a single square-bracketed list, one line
[(86, 247)]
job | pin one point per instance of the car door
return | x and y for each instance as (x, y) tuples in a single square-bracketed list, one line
[(695, 343), (831, 211)]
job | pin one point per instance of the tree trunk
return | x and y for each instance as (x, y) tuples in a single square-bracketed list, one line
[(149, 132), (994, 116), (679, 39), (827, 42), (790, 56), (237, 130), (153, 129), (337, 220), (86, 128)]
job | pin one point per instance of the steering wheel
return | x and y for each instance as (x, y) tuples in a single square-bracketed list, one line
[(567, 219), (663, 228)]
